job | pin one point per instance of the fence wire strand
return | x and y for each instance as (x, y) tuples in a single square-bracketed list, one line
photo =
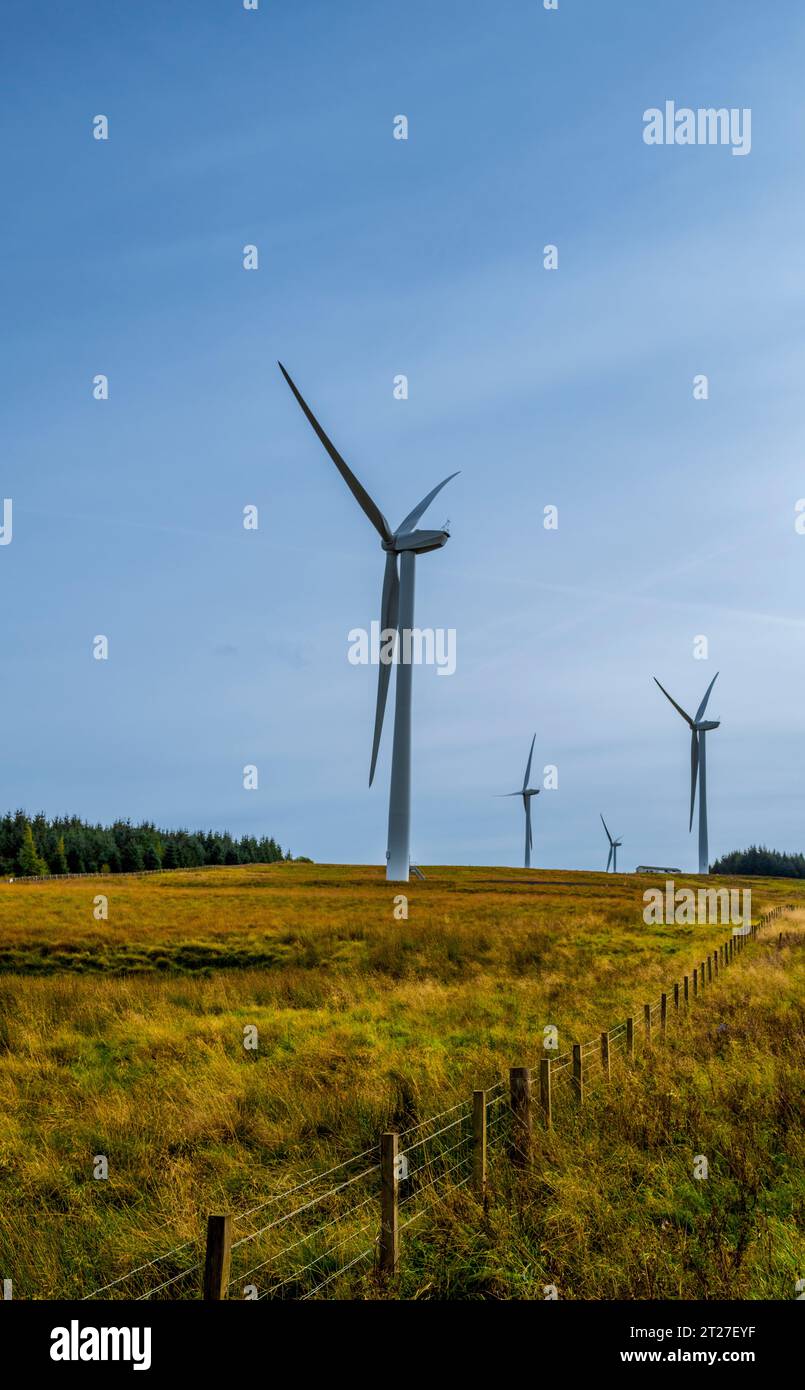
[(138, 1270), (280, 1221), (310, 1235), (168, 1283), (297, 1273), (280, 1196)]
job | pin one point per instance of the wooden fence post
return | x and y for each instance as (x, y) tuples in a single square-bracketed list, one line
[(389, 1203), (686, 984), (630, 1037), (520, 1093), (545, 1091), (647, 1022), (701, 976), (715, 963), (217, 1257), (578, 1074), (676, 996), (605, 1055), (695, 981), (663, 1013), (479, 1144)]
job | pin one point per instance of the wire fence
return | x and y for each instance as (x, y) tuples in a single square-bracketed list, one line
[(113, 875), (315, 1237)]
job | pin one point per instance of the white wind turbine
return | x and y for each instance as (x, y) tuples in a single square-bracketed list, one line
[(614, 846), (526, 793), (397, 614), (699, 727)]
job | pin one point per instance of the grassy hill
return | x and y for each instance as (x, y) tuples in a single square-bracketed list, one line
[(125, 1037)]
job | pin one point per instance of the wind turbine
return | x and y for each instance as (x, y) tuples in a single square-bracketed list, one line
[(699, 727), (396, 615), (526, 793), (614, 846)]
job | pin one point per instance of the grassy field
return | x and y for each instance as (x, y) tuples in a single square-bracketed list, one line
[(125, 1037)]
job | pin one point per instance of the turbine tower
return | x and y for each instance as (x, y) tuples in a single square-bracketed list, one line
[(526, 793), (614, 846), (699, 727), (396, 615)]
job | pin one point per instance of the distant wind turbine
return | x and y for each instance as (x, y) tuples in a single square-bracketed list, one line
[(614, 846), (699, 727), (397, 614), (526, 793)]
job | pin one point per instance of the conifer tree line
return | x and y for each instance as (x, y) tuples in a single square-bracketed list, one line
[(68, 845), (770, 863)]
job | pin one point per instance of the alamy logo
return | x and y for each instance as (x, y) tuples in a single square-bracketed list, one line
[(706, 126), (420, 646), (75, 1343), (705, 907)]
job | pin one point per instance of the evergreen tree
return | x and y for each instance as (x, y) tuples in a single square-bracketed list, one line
[(58, 860), (29, 861), (151, 858), (170, 859), (131, 856)]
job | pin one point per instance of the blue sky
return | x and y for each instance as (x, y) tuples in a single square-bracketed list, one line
[(425, 257)]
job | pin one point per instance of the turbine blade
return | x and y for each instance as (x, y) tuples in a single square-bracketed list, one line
[(413, 517), (703, 705), (358, 491), (528, 821), (528, 764), (603, 822), (694, 771), (389, 605), (609, 857), (677, 707)]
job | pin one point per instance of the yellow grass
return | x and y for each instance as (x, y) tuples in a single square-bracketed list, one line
[(125, 1038)]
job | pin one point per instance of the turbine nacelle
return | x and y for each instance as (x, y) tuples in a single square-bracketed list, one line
[(420, 542), (705, 725)]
